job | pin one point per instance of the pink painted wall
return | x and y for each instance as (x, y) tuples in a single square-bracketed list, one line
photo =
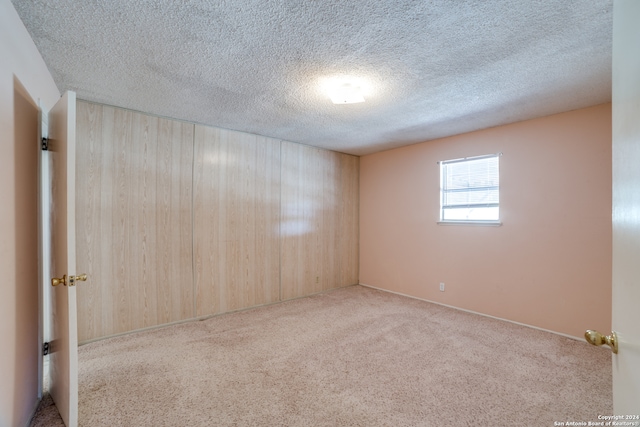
[(24, 79), (548, 265)]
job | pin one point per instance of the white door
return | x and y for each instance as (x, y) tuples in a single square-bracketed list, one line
[(626, 206), (63, 363)]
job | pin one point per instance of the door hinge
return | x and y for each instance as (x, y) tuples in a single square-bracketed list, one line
[(46, 348), (45, 144)]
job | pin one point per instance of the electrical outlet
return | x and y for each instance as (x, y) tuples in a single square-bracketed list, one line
[(317, 279), (441, 286)]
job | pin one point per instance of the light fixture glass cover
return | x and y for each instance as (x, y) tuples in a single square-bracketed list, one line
[(346, 93)]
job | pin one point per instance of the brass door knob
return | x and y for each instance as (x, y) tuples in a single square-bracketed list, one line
[(70, 281), (56, 282), (596, 338)]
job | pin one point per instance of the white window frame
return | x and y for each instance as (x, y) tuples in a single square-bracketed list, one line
[(443, 171)]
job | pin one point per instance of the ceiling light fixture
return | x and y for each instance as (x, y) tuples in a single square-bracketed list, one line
[(346, 88), (346, 93)]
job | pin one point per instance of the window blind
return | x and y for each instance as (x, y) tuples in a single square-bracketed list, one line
[(470, 189)]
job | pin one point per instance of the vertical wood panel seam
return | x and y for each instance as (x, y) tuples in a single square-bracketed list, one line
[(280, 216), (193, 219)]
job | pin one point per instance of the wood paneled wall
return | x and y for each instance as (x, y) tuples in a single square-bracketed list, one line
[(237, 220), (178, 221), (133, 216), (319, 220)]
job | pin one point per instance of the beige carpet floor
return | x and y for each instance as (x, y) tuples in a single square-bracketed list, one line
[(349, 357)]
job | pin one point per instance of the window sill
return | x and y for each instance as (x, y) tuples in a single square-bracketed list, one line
[(486, 223)]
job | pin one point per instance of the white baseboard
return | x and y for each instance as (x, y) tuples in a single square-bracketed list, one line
[(475, 312)]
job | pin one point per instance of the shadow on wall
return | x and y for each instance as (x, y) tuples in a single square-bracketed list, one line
[(26, 149)]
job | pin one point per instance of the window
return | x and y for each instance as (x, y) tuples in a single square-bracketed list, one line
[(470, 190)]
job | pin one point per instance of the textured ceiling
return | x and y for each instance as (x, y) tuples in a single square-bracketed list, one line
[(429, 68)]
